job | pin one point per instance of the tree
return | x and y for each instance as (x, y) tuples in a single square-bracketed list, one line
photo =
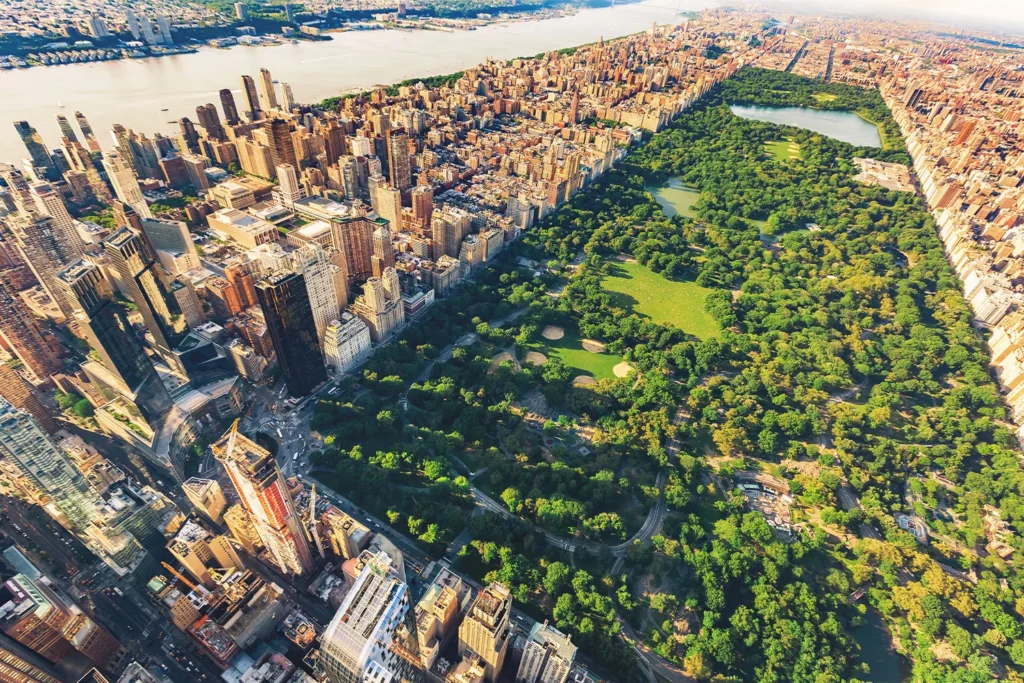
[(83, 408), (556, 578)]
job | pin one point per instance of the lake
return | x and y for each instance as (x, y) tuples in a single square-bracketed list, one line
[(876, 650), (841, 125), (676, 198), (133, 92)]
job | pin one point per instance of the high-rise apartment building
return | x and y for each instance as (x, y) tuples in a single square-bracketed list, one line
[(353, 238), (252, 99), (23, 335), (264, 495), (290, 189), (286, 306), (45, 467), (90, 136), (50, 624), (371, 636), (227, 103), (37, 151), (547, 657), (199, 550), (380, 305), (20, 395), (43, 251), (399, 165), (66, 130), (121, 175), (243, 530), (287, 98), (422, 197), (347, 342), (279, 140), (268, 96), (19, 664), (49, 203), (206, 496), (486, 630), (208, 118), (383, 250)]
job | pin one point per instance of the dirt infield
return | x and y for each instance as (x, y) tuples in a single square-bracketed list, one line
[(499, 359), (535, 358), (622, 369), (593, 346), (551, 332), (584, 380)]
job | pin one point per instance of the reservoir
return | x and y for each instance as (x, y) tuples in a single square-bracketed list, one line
[(133, 92), (841, 125)]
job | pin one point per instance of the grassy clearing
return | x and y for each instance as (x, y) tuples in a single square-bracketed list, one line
[(679, 303), (783, 150), (824, 97), (569, 349), (676, 199)]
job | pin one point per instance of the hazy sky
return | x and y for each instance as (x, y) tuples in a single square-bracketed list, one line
[(996, 15)]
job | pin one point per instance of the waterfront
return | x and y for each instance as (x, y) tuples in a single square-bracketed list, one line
[(841, 125), (133, 92)]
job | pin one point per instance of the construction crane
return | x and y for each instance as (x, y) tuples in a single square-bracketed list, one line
[(202, 590)]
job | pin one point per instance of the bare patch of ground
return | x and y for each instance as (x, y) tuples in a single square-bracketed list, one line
[(536, 358), (552, 332), (622, 369), (593, 346), (584, 380)]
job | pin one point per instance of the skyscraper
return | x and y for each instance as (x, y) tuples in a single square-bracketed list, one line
[(353, 237), (126, 186), (40, 248), (22, 333), (65, 128), (252, 100), (111, 336), (399, 165), (422, 208), (27, 445), (290, 189), (19, 663), (485, 630), (547, 657), (279, 139), (36, 148), (289, 315), (268, 96), (362, 642), (383, 250), (227, 103), (264, 496), (189, 136), (16, 392), (288, 99), (149, 288), (90, 137), (210, 121), (49, 203)]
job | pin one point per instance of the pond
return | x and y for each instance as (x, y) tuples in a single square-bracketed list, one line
[(841, 125), (676, 199), (876, 650)]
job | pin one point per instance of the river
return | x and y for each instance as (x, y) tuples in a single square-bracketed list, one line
[(133, 92), (841, 125)]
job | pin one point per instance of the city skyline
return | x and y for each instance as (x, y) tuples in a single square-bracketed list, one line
[(673, 356)]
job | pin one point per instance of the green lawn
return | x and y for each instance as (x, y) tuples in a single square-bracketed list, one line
[(783, 150), (676, 198), (665, 301), (571, 352), (823, 97)]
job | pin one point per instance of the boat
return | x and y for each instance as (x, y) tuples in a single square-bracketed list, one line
[(59, 105), (163, 110)]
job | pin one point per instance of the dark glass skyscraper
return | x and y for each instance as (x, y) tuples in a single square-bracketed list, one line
[(112, 339), (252, 98), (285, 303), (227, 103)]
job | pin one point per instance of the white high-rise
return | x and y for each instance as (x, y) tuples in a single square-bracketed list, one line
[(49, 203), (363, 642), (125, 184), (547, 657), (346, 342), (290, 189)]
